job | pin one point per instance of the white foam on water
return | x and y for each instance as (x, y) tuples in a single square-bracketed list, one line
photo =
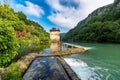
[(83, 71), (100, 68), (86, 48)]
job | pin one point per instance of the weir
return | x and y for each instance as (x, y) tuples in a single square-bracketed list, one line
[(50, 68), (46, 66)]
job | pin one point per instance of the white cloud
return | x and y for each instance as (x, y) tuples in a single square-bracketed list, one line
[(68, 17), (29, 9), (91, 5)]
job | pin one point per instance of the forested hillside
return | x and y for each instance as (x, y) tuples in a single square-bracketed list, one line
[(18, 35), (103, 25)]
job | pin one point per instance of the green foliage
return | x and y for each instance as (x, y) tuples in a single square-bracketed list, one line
[(21, 16), (32, 36), (32, 23), (37, 39), (12, 73), (31, 43), (101, 28), (8, 44), (18, 25), (7, 13)]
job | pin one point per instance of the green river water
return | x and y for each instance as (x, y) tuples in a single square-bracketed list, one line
[(99, 62)]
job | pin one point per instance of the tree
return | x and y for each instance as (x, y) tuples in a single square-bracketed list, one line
[(8, 43)]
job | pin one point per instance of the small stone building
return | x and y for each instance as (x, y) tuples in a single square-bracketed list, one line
[(55, 34)]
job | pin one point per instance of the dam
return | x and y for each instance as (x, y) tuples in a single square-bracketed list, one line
[(49, 67)]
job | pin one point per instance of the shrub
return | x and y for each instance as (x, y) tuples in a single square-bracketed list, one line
[(12, 73), (8, 44)]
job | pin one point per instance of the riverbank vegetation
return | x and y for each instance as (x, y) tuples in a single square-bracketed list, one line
[(19, 35), (100, 28)]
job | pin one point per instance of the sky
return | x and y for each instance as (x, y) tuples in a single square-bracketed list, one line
[(62, 14)]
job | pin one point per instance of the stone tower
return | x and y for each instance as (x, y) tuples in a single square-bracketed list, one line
[(55, 35)]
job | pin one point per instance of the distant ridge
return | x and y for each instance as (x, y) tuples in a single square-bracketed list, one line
[(101, 17)]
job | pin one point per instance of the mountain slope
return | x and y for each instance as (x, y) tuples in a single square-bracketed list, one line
[(102, 25)]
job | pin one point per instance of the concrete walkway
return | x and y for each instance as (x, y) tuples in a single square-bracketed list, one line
[(46, 68)]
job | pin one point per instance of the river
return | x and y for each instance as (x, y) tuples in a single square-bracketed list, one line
[(100, 62)]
